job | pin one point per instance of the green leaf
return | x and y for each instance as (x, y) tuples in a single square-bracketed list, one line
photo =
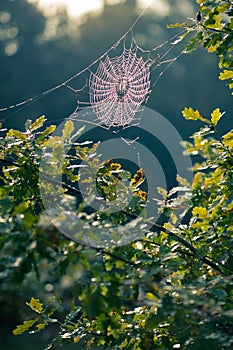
[(194, 42), (190, 114), (215, 116), (20, 329), (68, 129), (36, 305)]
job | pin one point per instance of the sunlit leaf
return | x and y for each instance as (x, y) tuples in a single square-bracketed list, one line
[(16, 133), (215, 116), (200, 211), (20, 329), (38, 123), (226, 74), (177, 25), (190, 114), (68, 129), (228, 139), (162, 192), (36, 305)]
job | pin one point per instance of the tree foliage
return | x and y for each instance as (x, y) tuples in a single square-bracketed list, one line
[(213, 30), (170, 289)]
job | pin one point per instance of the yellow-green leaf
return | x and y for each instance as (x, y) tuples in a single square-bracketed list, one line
[(76, 339), (36, 305), (200, 211), (215, 116), (173, 218), (228, 139), (24, 327), (177, 25), (68, 129), (16, 133), (190, 114), (182, 181), (162, 192), (38, 123), (54, 142), (49, 130), (217, 24), (150, 296), (226, 74), (40, 326), (168, 226), (212, 48)]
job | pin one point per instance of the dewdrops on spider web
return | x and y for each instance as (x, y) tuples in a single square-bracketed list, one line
[(119, 87)]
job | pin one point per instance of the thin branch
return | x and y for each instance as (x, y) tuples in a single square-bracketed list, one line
[(193, 250), (155, 227), (112, 255), (222, 31)]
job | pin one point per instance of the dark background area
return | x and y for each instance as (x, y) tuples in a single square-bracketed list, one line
[(37, 53)]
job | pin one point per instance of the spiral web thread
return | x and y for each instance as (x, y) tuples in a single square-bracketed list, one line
[(120, 84)]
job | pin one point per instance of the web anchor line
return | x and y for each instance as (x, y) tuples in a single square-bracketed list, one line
[(64, 83), (120, 85)]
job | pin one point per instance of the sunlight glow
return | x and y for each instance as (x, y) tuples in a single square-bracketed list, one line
[(76, 8)]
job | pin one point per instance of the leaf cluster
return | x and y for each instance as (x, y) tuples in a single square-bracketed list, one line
[(213, 29)]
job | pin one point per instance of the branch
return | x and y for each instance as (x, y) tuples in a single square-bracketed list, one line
[(103, 251), (222, 31), (155, 227), (205, 259)]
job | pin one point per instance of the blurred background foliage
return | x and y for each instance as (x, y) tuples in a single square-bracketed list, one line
[(37, 52)]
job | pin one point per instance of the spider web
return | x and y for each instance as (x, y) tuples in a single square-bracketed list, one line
[(117, 86), (118, 83)]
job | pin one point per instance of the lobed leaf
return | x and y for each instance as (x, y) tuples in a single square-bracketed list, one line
[(226, 74), (68, 129), (190, 114), (38, 123), (228, 139), (215, 116), (35, 305), (200, 211), (20, 329)]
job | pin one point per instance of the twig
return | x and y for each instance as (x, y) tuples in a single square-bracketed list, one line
[(103, 251), (155, 227)]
